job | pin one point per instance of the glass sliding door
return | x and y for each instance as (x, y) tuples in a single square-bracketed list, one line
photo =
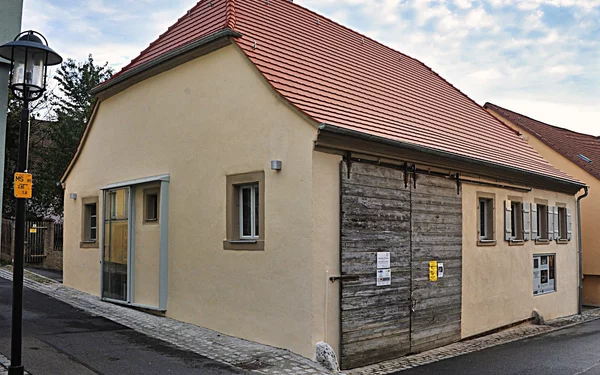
[(115, 263)]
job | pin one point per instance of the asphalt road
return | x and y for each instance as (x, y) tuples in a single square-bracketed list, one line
[(570, 351), (61, 340)]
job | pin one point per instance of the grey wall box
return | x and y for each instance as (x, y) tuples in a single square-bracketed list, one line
[(73, 196), (276, 165)]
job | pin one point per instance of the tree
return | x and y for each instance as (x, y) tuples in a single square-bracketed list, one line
[(56, 127)]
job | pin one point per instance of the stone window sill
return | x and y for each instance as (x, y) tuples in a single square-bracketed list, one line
[(244, 245), (88, 244)]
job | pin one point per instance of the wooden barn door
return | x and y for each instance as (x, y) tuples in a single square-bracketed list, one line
[(381, 213), (375, 218), (436, 213)]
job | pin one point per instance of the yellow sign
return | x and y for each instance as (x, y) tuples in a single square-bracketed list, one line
[(32, 230), (433, 270), (23, 185)]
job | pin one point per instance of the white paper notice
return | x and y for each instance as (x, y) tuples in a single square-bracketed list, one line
[(440, 270), (384, 277), (383, 260)]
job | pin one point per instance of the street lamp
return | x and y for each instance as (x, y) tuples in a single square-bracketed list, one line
[(29, 57)]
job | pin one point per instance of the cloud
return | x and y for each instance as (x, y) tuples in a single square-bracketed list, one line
[(539, 57), (534, 51)]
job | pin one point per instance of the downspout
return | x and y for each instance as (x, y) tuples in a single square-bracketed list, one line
[(579, 250)]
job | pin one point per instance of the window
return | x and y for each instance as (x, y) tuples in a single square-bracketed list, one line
[(89, 220), (119, 204), (584, 158), (486, 235), (544, 278), (92, 220), (563, 222), (249, 206), (151, 207), (514, 218), (516, 227), (541, 221), (245, 212)]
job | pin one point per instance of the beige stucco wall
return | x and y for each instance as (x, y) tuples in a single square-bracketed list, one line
[(498, 280), (146, 254), (326, 244), (590, 206), (199, 122), (81, 266)]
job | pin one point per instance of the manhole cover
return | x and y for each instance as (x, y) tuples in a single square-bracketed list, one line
[(255, 364)]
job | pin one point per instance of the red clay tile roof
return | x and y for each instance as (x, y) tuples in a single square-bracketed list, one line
[(342, 78), (566, 142)]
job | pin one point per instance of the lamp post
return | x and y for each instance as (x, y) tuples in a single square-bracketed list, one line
[(29, 57)]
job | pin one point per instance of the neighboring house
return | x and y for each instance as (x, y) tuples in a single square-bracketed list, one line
[(246, 171), (578, 155)]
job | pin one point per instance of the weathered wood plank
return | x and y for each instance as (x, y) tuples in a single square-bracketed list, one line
[(400, 327), (359, 354), (415, 225), (359, 319), (375, 181), (399, 296), (373, 170), (351, 189)]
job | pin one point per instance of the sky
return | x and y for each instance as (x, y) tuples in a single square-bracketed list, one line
[(537, 57)]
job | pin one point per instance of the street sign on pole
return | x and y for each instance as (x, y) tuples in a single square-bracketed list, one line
[(23, 185)]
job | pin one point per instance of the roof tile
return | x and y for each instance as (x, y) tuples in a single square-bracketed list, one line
[(566, 142), (340, 77)]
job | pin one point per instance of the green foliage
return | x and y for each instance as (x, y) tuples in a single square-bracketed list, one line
[(55, 129)]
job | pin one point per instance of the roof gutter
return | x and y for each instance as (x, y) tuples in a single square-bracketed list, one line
[(580, 250), (432, 151), (163, 58)]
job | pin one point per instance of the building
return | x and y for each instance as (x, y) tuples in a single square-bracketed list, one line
[(578, 155), (296, 182), (10, 26)]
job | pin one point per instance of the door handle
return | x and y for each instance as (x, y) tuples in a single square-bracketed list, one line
[(413, 304)]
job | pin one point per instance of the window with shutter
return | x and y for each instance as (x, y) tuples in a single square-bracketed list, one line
[(563, 219), (542, 223), (556, 223), (526, 221), (550, 223), (514, 221), (569, 231), (507, 220), (534, 221)]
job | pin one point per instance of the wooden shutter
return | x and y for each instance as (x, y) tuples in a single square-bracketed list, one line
[(556, 226), (568, 224), (534, 221), (507, 220), (526, 221), (550, 225)]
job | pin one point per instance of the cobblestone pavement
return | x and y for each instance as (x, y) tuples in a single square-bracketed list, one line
[(473, 345), (4, 363), (260, 358), (233, 351)]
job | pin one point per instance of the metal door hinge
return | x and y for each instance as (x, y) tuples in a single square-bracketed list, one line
[(344, 278)]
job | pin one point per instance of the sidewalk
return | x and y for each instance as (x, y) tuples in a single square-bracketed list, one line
[(263, 359), (4, 363), (242, 354)]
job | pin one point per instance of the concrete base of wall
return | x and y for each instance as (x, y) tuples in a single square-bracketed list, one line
[(54, 260), (591, 290)]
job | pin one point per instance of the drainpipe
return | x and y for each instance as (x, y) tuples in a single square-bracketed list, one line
[(579, 250)]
